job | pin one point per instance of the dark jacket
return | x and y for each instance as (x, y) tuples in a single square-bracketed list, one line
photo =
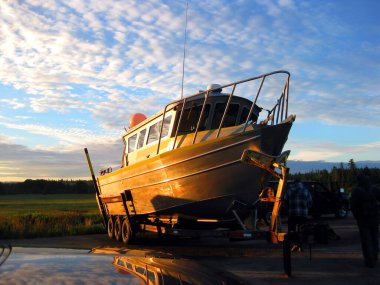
[(364, 202)]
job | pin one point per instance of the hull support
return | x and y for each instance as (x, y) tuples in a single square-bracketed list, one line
[(97, 191), (270, 164)]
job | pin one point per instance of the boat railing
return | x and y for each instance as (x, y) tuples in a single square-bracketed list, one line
[(275, 115)]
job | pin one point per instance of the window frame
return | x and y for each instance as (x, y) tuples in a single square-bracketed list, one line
[(232, 104), (158, 122), (128, 144), (138, 146)]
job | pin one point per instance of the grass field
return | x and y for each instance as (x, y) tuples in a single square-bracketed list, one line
[(24, 216)]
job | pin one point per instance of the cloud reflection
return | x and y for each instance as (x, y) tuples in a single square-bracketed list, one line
[(58, 266)]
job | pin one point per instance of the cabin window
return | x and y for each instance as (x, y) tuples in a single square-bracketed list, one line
[(140, 270), (132, 143), (245, 112), (120, 262), (154, 130), (165, 128), (151, 277), (190, 119), (231, 115), (140, 141), (153, 133)]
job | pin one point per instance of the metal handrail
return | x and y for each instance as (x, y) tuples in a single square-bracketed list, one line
[(254, 103), (179, 121), (279, 111), (201, 115), (225, 111)]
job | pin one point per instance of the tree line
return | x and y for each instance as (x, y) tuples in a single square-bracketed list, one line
[(343, 176), (42, 186)]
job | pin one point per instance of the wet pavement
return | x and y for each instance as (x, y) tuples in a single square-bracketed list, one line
[(88, 259), (33, 266)]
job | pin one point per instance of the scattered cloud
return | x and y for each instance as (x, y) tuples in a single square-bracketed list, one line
[(53, 46), (69, 137), (62, 266), (94, 63), (14, 103), (19, 162), (328, 151)]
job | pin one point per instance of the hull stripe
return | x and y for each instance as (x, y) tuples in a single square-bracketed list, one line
[(190, 174), (185, 160)]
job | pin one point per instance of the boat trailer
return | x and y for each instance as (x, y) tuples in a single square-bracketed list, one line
[(139, 224), (126, 229)]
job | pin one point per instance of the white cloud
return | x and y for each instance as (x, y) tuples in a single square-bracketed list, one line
[(19, 162), (272, 8), (285, 3), (15, 103), (328, 151), (68, 138), (50, 48), (52, 266), (109, 59)]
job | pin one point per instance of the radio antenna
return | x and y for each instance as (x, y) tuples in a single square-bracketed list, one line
[(184, 51)]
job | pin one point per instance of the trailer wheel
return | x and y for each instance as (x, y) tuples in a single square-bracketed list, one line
[(117, 229), (126, 232), (342, 211), (110, 228)]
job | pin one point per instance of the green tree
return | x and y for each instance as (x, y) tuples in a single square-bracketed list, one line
[(352, 171), (352, 165)]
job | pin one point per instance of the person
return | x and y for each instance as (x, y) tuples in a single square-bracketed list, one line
[(298, 200), (365, 209)]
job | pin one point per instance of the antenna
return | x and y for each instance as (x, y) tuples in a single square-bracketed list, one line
[(184, 51)]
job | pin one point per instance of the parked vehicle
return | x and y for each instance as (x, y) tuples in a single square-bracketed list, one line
[(325, 201)]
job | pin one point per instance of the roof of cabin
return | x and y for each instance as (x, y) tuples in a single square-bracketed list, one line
[(172, 105)]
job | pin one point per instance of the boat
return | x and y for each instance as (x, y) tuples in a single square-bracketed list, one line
[(185, 166)]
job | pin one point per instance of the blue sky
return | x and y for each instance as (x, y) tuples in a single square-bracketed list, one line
[(72, 73)]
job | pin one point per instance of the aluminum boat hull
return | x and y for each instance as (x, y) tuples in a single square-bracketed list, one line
[(200, 180)]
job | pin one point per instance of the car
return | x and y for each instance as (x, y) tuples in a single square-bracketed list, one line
[(325, 201)]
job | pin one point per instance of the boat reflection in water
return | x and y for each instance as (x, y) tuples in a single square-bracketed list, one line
[(170, 271), (22, 265)]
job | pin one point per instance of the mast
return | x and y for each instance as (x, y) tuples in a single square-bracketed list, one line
[(184, 51)]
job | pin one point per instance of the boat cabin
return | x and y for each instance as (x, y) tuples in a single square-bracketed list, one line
[(187, 122)]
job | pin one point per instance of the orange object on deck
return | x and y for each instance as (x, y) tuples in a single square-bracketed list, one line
[(136, 119)]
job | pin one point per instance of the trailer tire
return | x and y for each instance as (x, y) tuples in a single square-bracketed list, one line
[(110, 228), (342, 211), (117, 228), (126, 232)]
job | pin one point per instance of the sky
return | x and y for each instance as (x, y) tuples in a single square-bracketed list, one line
[(73, 71)]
